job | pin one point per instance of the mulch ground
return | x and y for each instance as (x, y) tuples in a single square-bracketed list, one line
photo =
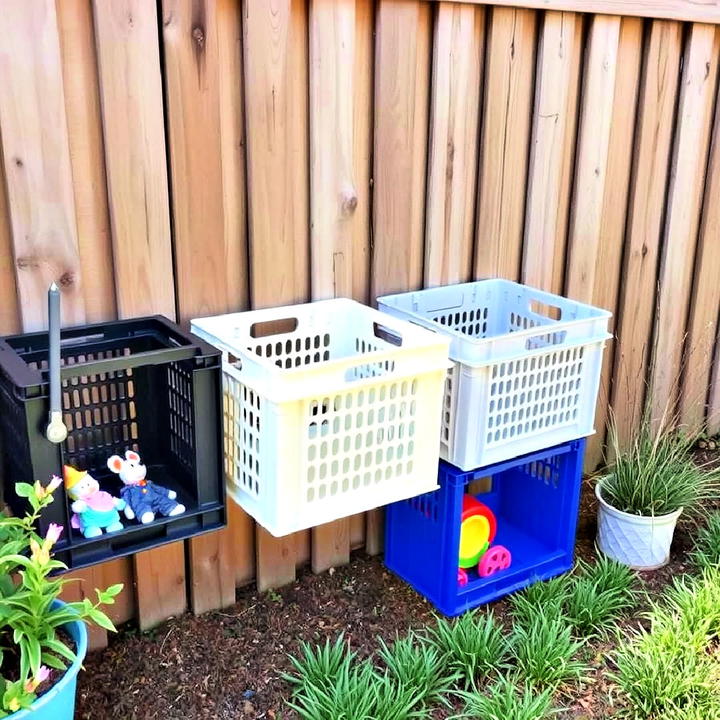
[(227, 665)]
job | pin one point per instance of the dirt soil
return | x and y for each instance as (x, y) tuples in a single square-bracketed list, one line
[(227, 665)]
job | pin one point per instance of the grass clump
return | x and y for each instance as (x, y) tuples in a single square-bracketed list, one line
[(706, 553), (545, 652), (413, 662), (673, 670), (599, 595), (658, 474), (320, 663), (548, 597), (505, 701), (472, 645)]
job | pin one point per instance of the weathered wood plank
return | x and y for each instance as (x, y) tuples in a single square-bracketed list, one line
[(9, 307), (507, 112), (697, 397), (131, 93), (659, 83), (453, 145), (552, 149), (706, 11), (36, 155), (340, 105), (85, 135), (275, 55), (402, 83), (684, 198)]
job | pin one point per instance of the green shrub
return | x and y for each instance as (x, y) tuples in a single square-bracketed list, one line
[(707, 544), (414, 663), (319, 664), (545, 652), (472, 645), (546, 597), (504, 701)]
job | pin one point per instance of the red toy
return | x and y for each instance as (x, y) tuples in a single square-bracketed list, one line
[(478, 528)]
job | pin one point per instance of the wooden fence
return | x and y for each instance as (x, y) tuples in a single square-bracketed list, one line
[(201, 156)]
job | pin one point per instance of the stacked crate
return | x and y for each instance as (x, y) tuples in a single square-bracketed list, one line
[(519, 400)]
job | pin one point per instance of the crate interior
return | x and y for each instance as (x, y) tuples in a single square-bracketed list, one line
[(147, 409), (321, 337), (530, 504)]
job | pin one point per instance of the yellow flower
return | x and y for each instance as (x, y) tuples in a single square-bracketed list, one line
[(40, 491), (14, 705), (40, 555)]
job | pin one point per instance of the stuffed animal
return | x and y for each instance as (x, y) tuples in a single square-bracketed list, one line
[(94, 509), (143, 497)]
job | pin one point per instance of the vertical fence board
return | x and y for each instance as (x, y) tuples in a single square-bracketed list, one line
[(453, 145), (402, 74), (713, 424), (601, 181), (209, 264), (131, 94), (702, 342), (636, 306), (697, 98), (551, 155), (9, 306), (36, 156), (275, 64), (82, 106), (339, 183), (507, 111)]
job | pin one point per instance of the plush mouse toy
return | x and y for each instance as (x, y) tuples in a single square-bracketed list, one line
[(93, 508), (143, 497)]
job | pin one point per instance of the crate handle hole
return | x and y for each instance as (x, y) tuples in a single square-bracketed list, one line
[(389, 336), (553, 312), (234, 360), (273, 327)]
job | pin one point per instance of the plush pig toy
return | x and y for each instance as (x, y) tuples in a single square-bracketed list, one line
[(143, 498), (94, 509)]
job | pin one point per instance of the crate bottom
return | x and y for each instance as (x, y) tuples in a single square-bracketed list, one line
[(79, 552)]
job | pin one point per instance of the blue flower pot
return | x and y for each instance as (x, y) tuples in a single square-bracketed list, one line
[(58, 703)]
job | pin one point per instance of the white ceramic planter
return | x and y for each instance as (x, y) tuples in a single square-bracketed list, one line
[(641, 542)]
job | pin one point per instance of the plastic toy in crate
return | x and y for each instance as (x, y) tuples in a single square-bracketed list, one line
[(534, 503), (526, 367), (331, 408), (126, 388)]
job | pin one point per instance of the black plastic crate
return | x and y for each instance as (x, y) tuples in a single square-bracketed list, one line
[(142, 385)]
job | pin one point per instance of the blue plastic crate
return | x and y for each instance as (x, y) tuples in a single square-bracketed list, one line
[(535, 499)]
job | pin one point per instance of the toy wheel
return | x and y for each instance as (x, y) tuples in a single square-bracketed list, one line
[(497, 558), (462, 577)]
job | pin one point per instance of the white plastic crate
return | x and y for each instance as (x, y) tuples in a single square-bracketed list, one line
[(526, 371), (330, 409)]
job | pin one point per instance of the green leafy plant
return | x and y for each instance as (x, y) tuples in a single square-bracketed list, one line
[(707, 543), (472, 645), (548, 597), (545, 652), (504, 701), (321, 663), (29, 623), (415, 663), (657, 474), (599, 595), (673, 670)]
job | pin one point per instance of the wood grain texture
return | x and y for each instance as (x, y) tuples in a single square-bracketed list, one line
[(135, 155), (684, 199), (713, 423), (453, 144), (552, 149), (705, 11), (131, 92), (81, 584), (697, 403), (36, 158), (507, 112), (85, 136), (659, 85), (9, 306), (340, 108), (402, 83), (275, 54)]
